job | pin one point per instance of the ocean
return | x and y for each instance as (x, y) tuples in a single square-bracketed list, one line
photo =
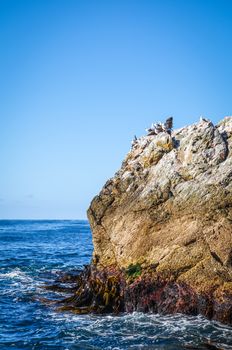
[(33, 254)]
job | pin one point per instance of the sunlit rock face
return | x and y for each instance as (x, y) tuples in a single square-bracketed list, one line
[(169, 209)]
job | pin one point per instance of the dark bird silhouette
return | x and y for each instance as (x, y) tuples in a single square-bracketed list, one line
[(169, 123), (134, 141)]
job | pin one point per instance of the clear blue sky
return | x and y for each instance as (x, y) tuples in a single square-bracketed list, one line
[(80, 78)]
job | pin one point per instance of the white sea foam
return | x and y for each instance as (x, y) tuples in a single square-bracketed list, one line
[(144, 328), (16, 274)]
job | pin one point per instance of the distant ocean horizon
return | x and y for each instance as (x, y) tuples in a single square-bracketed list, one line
[(33, 253)]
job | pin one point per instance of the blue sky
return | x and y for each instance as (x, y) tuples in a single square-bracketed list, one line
[(80, 78)]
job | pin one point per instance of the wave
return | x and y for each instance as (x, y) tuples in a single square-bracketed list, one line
[(156, 331), (16, 274), (37, 253)]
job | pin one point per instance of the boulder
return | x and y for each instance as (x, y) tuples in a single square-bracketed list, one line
[(162, 228)]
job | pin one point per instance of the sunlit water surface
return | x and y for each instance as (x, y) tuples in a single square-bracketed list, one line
[(33, 253)]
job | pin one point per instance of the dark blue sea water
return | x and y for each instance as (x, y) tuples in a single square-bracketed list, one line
[(33, 253)]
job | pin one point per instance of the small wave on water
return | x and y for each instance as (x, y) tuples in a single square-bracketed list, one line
[(38, 253), (16, 274)]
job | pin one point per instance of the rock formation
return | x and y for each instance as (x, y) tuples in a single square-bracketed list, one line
[(162, 227)]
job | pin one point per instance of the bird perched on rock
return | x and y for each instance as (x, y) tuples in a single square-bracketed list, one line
[(202, 119), (157, 128), (134, 141), (151, 130), (168, 125)]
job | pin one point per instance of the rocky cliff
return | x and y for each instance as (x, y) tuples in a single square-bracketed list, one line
[(162, 226)]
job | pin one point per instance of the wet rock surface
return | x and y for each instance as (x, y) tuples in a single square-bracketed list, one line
[(162, 228), (114, 291)]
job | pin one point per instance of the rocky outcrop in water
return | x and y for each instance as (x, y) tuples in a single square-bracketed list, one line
[(162, 228)]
